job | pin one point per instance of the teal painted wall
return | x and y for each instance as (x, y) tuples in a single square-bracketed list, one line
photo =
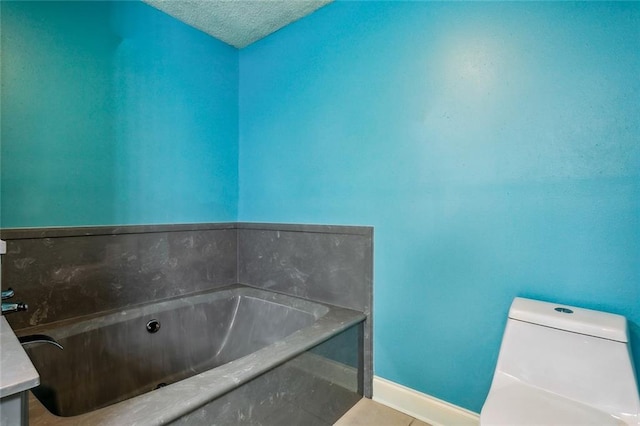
[(494, 147), (115, 113)]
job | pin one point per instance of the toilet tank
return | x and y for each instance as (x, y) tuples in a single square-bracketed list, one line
[(579, 354)]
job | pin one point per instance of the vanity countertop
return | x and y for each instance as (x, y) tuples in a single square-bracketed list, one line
[(17, 373)]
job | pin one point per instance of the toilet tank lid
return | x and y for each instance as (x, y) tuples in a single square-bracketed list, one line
[(570, 318)]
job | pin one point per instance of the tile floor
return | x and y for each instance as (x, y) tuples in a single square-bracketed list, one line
[(369, 413)]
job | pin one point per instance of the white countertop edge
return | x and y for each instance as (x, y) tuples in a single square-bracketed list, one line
[(17, 373)]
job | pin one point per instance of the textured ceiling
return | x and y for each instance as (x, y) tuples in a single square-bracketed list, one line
[(238, 22)]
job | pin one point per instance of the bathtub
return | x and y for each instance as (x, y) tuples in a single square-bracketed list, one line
[(211, 358)]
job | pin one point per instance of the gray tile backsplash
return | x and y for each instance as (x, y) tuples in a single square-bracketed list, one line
[(331, 265), (61, 274)]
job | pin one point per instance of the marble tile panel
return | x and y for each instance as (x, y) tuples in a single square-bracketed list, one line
[(64, 275), (286, 395), (331, 264)]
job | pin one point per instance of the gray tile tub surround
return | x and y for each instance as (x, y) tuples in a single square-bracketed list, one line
[(171, 402), (64, 273), (331, 264), (68, 272)]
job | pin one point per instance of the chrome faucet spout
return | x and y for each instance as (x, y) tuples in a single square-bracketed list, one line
[(8, 308), (38, 338)]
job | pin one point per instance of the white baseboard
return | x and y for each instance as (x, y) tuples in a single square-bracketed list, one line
[(421, 406)]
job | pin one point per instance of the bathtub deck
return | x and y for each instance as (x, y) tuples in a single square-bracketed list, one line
[(370, 413)]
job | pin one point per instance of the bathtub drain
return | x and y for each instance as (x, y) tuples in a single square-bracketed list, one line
[(153, 326)]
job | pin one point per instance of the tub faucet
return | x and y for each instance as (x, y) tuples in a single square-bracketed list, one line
[(8, 308), (38, 338)]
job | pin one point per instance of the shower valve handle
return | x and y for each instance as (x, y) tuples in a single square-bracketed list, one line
[(7, 294)]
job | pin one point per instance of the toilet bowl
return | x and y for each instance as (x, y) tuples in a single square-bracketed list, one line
[(561, 365)]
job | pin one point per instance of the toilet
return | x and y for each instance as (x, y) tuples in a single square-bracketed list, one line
[(561, 365)]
